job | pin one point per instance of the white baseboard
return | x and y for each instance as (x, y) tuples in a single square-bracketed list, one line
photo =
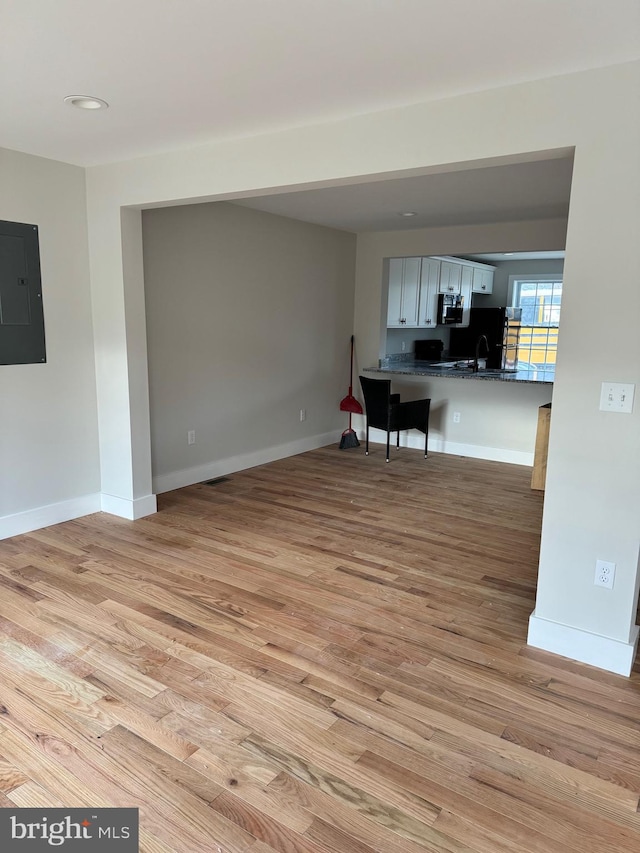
[(45, 516), (34, 519), (131, 509), (439, 445), (222, 467), (574, 643)]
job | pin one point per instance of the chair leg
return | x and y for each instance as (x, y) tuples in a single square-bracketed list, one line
[(388, 434), (366, 442), (398, 440), (426, 436)]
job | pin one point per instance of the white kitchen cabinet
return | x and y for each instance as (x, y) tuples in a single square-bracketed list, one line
[(414, 285), (466, 283), (404, 292), (394, 305), (482, 280), (429, 284), (450, 277)]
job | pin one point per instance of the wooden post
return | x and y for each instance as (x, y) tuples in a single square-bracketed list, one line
[(539, 472)]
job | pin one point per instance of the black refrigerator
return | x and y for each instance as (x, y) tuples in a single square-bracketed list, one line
[(500, 326)]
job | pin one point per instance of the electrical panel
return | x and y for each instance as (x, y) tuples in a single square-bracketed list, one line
[(21, 312)]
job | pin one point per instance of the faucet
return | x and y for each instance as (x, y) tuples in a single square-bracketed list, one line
[(486, 346)]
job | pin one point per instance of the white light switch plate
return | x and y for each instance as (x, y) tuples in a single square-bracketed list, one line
[(617, 397)]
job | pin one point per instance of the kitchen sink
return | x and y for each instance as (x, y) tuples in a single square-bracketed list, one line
[(480, 372), (466, 367)]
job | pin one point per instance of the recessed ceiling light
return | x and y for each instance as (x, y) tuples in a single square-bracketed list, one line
[(506, 254), (86, 102), (408, 213)]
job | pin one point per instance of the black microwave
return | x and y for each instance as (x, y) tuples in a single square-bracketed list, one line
[(450, 307)]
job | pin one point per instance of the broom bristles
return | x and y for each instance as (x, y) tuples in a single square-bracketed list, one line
[(349, 439)]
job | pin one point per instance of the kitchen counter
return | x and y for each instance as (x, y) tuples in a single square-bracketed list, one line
[(444, 370)]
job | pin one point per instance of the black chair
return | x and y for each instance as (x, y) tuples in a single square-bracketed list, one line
[(384, 410)]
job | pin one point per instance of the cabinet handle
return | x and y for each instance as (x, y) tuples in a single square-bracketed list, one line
[(484, 286)]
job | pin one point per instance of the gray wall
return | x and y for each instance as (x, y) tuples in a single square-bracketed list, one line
[(248, 321), (49, 428)]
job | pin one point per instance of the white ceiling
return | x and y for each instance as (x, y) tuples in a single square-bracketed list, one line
[(506, 193), (178, 73)]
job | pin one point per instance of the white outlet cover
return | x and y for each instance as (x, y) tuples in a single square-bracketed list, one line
[(605, 574)]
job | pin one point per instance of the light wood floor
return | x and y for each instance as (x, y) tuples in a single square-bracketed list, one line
[(322, 654)]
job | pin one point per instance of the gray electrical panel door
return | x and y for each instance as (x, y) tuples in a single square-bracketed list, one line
[(21, 313)]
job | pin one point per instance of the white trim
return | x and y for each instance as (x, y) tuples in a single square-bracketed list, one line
[(131, 509), (603, 652), (222, 467), (45, 516), (439, 445)]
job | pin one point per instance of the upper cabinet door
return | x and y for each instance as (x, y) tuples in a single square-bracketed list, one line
[(466, 282), (429, 283), (410, 291), (450, 277), (394, 305), (404, 292), (482, 280)]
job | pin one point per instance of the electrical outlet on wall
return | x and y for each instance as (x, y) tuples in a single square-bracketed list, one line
[(456, 417), (303, 415), (605, 574), (191, 436)]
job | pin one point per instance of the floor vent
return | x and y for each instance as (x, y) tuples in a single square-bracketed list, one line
[(216, 481)]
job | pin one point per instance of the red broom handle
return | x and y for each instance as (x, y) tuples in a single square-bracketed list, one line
[(351, 376)]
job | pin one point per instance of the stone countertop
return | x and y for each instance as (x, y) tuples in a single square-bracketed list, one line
[(407, 367)]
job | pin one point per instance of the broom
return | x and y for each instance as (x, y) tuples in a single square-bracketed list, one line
[(351, 405), (349, 438)]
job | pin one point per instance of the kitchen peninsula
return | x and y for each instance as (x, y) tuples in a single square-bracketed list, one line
[(409, 366), (493, 414)]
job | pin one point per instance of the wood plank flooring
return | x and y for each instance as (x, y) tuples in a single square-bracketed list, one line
[(322, 654)]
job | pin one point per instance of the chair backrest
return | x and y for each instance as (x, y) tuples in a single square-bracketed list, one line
[(377, 393)]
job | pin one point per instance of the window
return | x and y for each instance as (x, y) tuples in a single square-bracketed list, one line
[(540, 298)]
